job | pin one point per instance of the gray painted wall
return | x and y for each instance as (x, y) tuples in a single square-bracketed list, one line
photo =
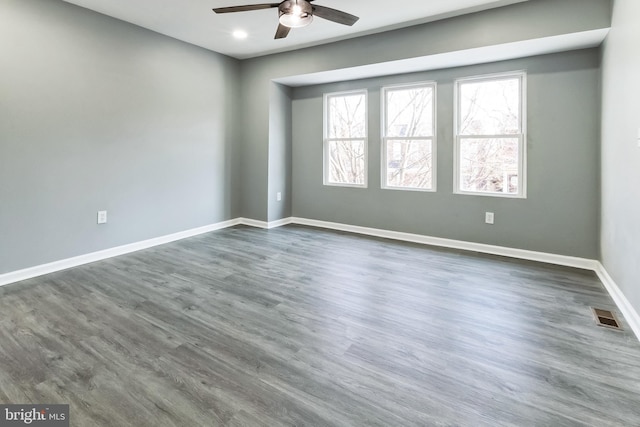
[(560, 214), (620, 236), (279, 152), (522, 21), (99, 114)]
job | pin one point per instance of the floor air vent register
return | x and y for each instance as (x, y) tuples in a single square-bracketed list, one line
[(605, 318)]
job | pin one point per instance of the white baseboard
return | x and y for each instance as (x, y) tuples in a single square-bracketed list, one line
[(629, 313), (623, 304), (618, 297), (263, 224), (587, 264), (253, 223), (280, 222), (52, 267)]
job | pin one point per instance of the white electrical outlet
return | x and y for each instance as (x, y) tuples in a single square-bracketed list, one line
[(279, 196), (102, 217), (488, 217)]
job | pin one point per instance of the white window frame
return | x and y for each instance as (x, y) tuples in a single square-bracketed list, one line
[(522, 139), (326, 140), (385, 138)]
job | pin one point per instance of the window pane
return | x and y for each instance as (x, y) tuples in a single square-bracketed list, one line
[(346, 162), (347, 116), (490, 107), (489, 165), (409, 164), (409, 112)]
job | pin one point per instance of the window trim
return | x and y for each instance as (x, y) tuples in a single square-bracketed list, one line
[(522, 136), (326, 140), (384, 138)]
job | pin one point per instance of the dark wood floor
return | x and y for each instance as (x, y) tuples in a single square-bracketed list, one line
[(308, 327)]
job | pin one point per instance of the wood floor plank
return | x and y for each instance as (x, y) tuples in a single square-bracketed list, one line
[(304, 326)]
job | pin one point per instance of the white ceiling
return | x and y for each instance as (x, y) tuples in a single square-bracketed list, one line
[(194, 22)]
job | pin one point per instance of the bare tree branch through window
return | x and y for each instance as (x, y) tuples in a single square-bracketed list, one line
[(408, 136), (345, 139), (490, 135)]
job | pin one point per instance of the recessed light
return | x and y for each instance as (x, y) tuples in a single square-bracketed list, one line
[(240, 34)]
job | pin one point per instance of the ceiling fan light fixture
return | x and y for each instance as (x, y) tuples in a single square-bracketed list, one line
[(295, 13), (295, 21)]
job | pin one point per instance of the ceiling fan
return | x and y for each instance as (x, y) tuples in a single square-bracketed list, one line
[(295, 14)]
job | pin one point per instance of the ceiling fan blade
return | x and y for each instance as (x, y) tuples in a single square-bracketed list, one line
[(245, 8), (282, 31), (334, 15)]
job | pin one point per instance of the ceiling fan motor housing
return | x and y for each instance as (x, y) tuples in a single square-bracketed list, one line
[(295, 13)]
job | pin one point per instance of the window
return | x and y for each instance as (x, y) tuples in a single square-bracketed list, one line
[(345, 140), (408, 130), (489, 144)]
